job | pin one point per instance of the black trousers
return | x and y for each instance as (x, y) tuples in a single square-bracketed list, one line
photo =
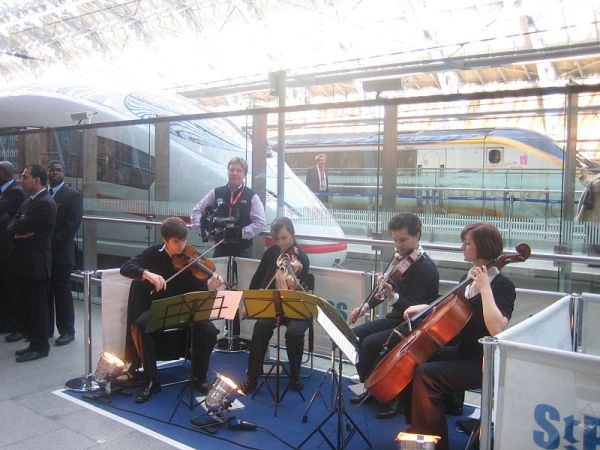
[(33, 295), (10, 317), (61, 300), (432, 383), (372, 336), (294, 341), (204, 336)]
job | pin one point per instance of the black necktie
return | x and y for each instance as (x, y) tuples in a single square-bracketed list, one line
[(51, 192)]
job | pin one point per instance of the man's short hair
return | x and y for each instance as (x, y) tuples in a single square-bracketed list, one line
[(7, 168), (406, 220), (487, 239), (173, 227), (237, 160), (321, 155), (56, 162), (38, 171)]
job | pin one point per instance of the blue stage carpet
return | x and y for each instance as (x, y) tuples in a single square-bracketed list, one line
[(284, 431)]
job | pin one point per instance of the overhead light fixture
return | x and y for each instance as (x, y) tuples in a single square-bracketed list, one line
[(386, 84), (84, 117)]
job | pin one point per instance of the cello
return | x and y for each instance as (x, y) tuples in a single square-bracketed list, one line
[(430, 330)]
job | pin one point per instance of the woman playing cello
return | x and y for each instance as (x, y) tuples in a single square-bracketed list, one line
[(285, 254), (492, 297)]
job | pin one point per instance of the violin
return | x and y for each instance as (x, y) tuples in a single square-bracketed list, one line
[(190, 258)]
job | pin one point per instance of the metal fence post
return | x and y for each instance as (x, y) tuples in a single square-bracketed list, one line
[(575, 311), (86, 382), (487, 391)]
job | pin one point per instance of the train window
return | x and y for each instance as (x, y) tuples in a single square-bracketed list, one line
[(122, 164), (494, 156), (67, 149)]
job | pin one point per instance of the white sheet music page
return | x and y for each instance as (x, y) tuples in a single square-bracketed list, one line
[(347, 348)]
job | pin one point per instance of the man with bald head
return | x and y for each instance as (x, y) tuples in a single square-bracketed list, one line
[(11, 197)]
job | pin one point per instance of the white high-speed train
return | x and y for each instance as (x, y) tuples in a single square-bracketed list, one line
[(199, 152)]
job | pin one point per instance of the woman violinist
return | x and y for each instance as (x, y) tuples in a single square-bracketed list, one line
[(149, 271), (492, 297), (286, 255)]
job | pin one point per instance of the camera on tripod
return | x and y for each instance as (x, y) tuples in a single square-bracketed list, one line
[(216, 226)]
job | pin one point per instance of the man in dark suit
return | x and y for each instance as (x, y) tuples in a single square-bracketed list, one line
[(31, 229), (69, 210), (317, 179), (11, 197)]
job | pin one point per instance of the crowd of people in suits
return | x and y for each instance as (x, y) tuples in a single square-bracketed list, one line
[(39, 218)]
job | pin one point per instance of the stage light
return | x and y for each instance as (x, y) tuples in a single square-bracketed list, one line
[(109, 368), (219, 398), (410, 441), (217, 403)]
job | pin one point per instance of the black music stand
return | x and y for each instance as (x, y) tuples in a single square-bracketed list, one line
[(232, 342), (343, 336), (183, 311), (330, 373), (279, 304)]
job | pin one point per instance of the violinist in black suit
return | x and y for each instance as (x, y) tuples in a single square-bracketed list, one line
[(149, 271), (31, 229), (11, 197), (69, 211)]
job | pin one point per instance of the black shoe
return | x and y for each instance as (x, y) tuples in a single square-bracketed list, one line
[(31, 355), (153, 387), (359, 398), (296, 384), (14, 337), (22, 351), (202, 386), (456, 410), (390, 409), (64, 339), (248, 385)]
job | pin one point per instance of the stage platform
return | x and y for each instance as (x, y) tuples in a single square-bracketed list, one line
[(34, 417)]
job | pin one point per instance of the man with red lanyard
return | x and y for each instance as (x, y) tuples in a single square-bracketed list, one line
[(234, 199)]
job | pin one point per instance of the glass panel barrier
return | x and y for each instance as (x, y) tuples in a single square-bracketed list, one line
[(452, 162)]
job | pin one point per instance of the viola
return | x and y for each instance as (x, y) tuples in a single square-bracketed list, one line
[(288, 265), (430, 330)]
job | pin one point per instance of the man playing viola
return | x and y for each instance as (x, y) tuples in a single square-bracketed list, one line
[(417, 282), (150, 270)]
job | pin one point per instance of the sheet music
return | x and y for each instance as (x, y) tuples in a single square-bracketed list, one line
[(231, 301), (347, 346)]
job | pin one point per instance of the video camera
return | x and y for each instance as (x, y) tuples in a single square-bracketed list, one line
[(216, 225)]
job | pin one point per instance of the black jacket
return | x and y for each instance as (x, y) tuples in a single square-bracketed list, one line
[(32, 255), (69, 210), (268, 265), (10, 200)]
